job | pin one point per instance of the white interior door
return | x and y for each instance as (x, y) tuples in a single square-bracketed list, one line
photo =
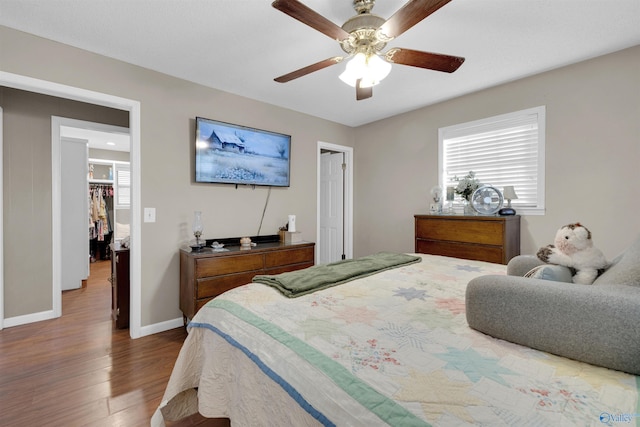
[(75, 212), (331, 244)]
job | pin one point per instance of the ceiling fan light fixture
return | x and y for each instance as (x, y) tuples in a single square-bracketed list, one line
[(378, 67), (363, 38), (370, 70), (355, 69)]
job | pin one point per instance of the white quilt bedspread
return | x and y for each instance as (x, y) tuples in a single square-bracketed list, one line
[(390, 349)]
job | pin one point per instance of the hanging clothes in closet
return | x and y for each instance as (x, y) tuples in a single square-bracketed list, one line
[(100, 226)]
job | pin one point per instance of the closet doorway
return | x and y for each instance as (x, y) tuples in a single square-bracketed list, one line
[(101, 199), (335, 203)]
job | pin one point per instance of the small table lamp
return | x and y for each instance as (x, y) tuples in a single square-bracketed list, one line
[(197, 228), (510, 194)]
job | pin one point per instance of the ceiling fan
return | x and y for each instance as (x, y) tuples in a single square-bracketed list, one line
[(364, 36)]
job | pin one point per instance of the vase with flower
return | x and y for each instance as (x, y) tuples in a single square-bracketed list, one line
[(465, 188)]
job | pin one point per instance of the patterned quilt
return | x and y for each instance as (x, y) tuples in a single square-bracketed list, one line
[(390, 349)]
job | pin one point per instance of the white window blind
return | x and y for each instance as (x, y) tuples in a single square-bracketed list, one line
[(501, 150), (123, 187)]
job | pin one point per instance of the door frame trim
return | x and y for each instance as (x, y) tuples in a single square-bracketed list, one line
[(56, 194), (30, 84), (348, 195)]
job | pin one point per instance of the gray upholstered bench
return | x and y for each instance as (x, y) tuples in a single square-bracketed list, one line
[(597, 324)]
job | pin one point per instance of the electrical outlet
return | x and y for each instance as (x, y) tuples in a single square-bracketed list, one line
[(149, 214)]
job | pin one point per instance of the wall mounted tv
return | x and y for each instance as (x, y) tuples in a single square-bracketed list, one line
[(233, 154)]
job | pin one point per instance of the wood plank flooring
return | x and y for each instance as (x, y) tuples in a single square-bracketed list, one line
[(78, 371)]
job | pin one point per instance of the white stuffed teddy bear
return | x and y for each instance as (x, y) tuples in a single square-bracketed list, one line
[(574, 248)]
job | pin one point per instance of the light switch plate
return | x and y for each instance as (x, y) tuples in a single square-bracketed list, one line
[(149, 214)]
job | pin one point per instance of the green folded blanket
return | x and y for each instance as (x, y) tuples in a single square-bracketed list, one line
[(301, 282)]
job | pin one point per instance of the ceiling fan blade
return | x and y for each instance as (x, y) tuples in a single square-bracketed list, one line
[(431, 61), (307, 16), (363, 92), (308, 69), (409, 15)]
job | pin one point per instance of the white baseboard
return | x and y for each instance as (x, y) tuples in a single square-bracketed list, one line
[(161, 327), (48, 315), (28, 318)]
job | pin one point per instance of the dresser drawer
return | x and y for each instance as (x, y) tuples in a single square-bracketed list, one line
[(286, 268), (289, 256), (214, 286), (216, 266), (201, 302), (469, 231), (461, 250)]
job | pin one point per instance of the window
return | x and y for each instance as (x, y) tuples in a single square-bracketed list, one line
[(501, 150), (123, 186)]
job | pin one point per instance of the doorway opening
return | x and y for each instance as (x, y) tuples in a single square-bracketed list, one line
[(335, 203), (133, 108), (98, 164)]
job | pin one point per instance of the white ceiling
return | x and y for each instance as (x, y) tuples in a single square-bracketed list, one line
[(240, 46)]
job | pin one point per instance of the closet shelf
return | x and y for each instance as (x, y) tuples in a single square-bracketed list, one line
[(101, 181)]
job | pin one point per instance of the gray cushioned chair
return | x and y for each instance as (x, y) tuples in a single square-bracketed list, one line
[(597, 324)]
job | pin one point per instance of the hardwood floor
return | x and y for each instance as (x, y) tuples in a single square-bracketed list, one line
[(78, 371)]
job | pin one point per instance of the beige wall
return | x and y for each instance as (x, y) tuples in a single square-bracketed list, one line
[(168, 107), (592, 156), (121, 156)]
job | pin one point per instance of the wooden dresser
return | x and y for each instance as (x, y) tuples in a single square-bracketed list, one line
[(206, 274), (484, 238), (120, 288)]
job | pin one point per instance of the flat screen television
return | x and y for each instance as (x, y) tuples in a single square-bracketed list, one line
[(233, 154)]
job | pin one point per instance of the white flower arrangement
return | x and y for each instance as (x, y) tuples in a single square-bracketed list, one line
[(467, 185)]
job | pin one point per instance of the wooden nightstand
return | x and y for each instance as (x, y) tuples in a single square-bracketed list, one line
[(483, 238)]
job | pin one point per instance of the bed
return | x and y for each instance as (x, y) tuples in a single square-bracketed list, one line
[(393, 348)]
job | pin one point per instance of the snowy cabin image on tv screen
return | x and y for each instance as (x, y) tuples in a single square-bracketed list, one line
[(233, 154)]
